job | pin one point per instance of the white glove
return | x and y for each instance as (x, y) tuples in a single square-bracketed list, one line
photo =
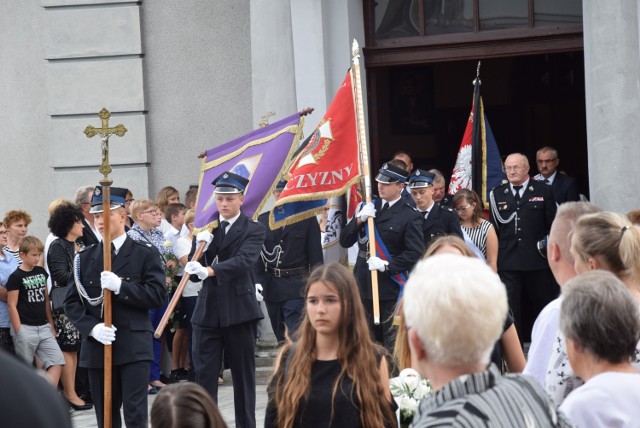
[(259, 296), (195, 268), (204, 236), (103, 334), (377, 263), (367, 211), (110, 281)]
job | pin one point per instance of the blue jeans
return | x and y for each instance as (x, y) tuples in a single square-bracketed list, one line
[(155, 315)]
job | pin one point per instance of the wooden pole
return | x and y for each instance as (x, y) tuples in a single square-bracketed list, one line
[(106, 253), (177, 294), (356, 83), (105, 131)]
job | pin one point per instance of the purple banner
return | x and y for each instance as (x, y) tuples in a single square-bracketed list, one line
[(261, 156)]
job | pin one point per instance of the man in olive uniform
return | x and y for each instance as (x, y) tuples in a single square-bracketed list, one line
[(227, 311), (438, 220), (400, 229), (137, 284), (522, 211), (288, 255)]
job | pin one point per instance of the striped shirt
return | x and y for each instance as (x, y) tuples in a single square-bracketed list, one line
[(488, 399), (478, 235), (15, 254)]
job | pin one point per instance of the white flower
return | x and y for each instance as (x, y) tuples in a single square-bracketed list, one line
[(167, 244), (422, 390), (408, 405)]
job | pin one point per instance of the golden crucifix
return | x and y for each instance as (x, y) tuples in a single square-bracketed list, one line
[(105, 132)]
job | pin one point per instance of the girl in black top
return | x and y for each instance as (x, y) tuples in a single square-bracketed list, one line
[(333, 375)]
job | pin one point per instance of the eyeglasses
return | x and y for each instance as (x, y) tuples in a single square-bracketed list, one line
[(513, 168), (4, 232), (152, 212), (128, 201), (460, 209)]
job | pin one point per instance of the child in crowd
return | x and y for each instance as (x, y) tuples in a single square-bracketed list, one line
[(30, 312)]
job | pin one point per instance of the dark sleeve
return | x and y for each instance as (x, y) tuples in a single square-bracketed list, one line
[(58, 264), (413, 245), (148, 291), (572, 190), (454, 224), (314, 244), (13, 282), (349, 234), (74, 309), (246, 257), (550, 209)]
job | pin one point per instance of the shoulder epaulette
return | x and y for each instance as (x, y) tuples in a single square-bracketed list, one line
[(86, 248)]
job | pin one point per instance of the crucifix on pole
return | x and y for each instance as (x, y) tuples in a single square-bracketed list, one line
[(105, 169)]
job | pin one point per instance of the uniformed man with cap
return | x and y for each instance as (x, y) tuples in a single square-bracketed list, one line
[(136, 281), (400, 229), (288, 255), (438, 220), (522, 210), (227, 311)]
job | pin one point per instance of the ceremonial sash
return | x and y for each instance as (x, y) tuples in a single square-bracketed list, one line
[(382, 252)]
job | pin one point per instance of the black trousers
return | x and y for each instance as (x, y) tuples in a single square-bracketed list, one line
[(528, 293), (384, 333), (239, 344), (129, 391)]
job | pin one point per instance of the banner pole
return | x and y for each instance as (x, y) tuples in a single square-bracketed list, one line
[(364, 166)]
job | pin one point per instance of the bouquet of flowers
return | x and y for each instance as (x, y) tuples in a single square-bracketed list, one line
[(407, 390)]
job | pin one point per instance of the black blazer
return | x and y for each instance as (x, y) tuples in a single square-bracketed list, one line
[(440, 221), (143, 288), (301, 248), (400, 228), (229, 297), (565, 188), (517, 247), (88, 237)]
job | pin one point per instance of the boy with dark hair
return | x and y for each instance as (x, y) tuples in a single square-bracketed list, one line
[(30, 312)]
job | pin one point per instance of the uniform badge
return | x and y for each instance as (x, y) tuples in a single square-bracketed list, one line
[(531, 188), (503, 206), (506, 191), (537, 199), (97, 191)]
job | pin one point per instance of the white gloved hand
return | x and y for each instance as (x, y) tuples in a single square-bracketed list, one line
[(195, 268), (368, 210), (259, 296), (103, 334), (110, 281), (377, 263), (204, 236)]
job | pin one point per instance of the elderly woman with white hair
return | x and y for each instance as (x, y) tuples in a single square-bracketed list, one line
[(455, 309), (600, 320)]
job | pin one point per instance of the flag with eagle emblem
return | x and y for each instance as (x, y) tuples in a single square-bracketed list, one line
[(478, 166)]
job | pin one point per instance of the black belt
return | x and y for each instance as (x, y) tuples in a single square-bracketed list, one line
[(283, 273)]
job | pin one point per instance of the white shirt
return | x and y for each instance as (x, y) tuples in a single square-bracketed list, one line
[(521, 191), (540, 177), (117, 243), (181, 249), (231, 221), (542, 341), (609, 399)]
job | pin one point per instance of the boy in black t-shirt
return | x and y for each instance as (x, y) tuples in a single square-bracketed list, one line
[(30, 312)]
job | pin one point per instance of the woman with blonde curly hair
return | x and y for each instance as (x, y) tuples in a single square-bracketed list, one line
[(326, 376)]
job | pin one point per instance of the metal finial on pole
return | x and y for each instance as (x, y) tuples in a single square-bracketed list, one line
[(477, 80)]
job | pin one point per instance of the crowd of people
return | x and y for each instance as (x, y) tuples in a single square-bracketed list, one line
[(460, 295)]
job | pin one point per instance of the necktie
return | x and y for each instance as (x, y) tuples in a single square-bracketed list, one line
[(113, 251), (385, 205), (517, 195), (223, 230), (426, 214)]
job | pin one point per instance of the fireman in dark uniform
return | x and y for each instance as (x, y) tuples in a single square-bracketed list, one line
[(522, 211), (400, 229), (438, 220), (288, 255)]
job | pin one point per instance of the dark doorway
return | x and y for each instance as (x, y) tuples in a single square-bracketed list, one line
[(530, 102)]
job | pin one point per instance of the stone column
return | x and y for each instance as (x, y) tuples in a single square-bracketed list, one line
[(612, 78), (272, 65)]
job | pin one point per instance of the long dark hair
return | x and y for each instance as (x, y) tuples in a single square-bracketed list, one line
[(357, 355)]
